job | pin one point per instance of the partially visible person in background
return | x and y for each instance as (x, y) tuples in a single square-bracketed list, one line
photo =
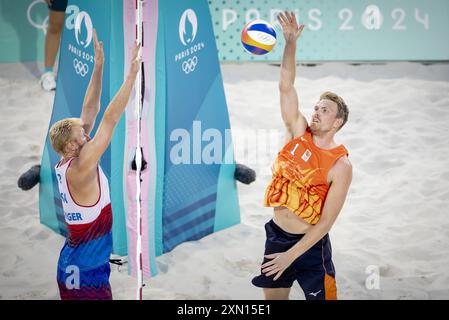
[(56, 15)]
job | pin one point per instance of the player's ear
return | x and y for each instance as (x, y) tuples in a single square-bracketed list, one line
[(70, 146), (337, 123)]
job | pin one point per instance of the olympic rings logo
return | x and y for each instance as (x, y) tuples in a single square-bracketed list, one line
[(189, 65), (80, 67), (43, 26)]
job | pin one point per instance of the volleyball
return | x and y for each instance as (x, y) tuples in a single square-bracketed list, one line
[(258, 37)]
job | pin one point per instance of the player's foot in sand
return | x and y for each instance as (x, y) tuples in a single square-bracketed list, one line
[(48, 82)]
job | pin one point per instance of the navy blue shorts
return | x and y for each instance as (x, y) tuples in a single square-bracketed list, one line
[(58, 5), (313, 270)]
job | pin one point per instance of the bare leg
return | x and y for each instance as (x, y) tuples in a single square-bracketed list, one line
[(276, 293), (53, 37)]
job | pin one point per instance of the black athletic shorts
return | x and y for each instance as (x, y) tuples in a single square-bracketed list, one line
[(313, 270)]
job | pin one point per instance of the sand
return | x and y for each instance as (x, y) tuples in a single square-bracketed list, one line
[(395, 222)]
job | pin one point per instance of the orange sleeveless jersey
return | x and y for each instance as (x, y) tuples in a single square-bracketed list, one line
[(299, 180)]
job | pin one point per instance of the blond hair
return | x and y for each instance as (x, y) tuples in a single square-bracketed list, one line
[(343, 111), (61, 132)]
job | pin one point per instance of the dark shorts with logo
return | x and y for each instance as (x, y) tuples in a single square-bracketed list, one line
[(313, 270), (58, 5)]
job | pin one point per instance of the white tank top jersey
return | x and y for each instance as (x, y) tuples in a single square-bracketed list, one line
[(74, 213)]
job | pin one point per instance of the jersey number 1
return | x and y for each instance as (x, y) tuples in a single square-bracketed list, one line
[(294, 149)]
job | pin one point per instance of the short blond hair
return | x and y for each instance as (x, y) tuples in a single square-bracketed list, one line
[(343, 111), (61, 132)]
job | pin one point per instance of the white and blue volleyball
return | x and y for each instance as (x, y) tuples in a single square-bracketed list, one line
[(258, 37)]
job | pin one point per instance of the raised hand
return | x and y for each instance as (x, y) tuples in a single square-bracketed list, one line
[(290, 26), (135, 60), (98, 50)]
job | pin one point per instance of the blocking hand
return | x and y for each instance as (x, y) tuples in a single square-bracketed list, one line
[(290, 27), (136, 60), (98, 50)]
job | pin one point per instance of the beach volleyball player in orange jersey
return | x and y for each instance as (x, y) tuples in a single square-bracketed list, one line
[(311, 177)]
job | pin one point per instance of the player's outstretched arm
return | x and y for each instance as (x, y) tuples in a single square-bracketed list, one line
[(294, 120), (93, 150), (91, 103)]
